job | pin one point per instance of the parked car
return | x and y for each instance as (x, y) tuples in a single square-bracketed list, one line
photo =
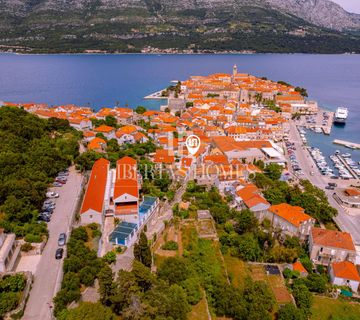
[(44, 218), (59, 253), (52, 194), (49, 205), (329, 188), (57, 184), (332, 184), (62, 239), (48, 211), (60, 181)]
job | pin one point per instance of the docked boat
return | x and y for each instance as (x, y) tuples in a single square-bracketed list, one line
[(341, 115)]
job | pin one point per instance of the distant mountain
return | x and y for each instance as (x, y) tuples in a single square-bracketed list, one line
[(322, 13), (192, 25)]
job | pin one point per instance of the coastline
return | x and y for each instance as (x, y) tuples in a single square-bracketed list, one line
[(220, 53)]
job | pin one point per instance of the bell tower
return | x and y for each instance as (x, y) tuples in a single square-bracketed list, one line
[(234, 70)]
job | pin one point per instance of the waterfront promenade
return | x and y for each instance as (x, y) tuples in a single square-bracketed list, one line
[(348, 223)]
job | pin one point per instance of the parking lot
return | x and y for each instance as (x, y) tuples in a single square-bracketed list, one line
[(49, 270)]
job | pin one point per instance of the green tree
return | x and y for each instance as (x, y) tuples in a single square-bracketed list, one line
[(302, 297), (290, 312), (110, 257), (88, 311), (86, 160), (192, 288), (143, 276), (273, 171), (124, 289), (8, 301), (245, 221), (140, 109), (106, 278), (142, 250), (174, 270), (248, 248), (111, 121)]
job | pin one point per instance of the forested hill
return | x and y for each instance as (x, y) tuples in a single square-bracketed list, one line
[(201, 25), (33, 151)]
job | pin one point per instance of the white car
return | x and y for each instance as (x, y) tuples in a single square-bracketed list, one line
[(52, 194)]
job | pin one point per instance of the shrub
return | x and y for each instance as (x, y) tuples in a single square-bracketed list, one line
[(93, 226), (33, 238), (13, 283), (26, 247), (87, 276), (109, 257), (8, 302), (170, 245), (96, 233)]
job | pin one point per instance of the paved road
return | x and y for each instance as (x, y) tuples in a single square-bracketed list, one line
[(49, 271), (346, 222)]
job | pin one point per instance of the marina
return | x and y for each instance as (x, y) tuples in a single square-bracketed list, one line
[(320, 162), (343, 166)]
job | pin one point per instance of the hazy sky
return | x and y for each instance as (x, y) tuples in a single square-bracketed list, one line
[(349, 5)]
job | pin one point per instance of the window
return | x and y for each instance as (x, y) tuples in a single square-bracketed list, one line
[(91, 216), (321, 249)]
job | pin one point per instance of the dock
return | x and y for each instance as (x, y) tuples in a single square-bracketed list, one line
[(156, 95), (321, 124), (347, 144), (352, 172)]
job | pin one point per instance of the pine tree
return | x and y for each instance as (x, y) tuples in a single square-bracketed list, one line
[(106, 278), (142, 251)]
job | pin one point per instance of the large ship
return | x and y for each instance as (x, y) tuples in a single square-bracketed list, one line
[(341, 115)]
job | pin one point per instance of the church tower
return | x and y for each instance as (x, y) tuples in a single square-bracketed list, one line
[(234, 70)]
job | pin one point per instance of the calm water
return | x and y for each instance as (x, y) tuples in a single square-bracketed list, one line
[(104, 80)]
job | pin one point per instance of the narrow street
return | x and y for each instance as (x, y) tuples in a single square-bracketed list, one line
[(346, 222), (48, 276)]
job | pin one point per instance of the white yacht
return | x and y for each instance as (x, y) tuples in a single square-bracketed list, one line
[(341, 115)]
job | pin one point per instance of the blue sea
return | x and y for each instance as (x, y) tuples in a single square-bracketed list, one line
[(107, 80)]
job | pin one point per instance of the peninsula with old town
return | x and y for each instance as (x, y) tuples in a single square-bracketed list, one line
[(121, 217)]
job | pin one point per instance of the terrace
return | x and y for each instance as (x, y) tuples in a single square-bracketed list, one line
[(147, 207), (123, 234)]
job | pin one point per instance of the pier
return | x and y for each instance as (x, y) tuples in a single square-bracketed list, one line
[(347, 144), (156, 95), (352, 172), (322, 121)]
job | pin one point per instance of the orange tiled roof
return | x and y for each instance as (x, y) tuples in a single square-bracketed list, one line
[(297, 266), (128, 129), (332, 238), (163, 156), (104, 128), (345, 270), (94, 196), (88, 134), (126, 178), (293, 214), (96, 143)]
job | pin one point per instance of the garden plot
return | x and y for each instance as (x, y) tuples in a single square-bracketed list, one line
[(276, 283)]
